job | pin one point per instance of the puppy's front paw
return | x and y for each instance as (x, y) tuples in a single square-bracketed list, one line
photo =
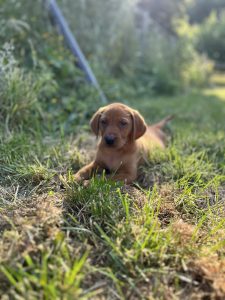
[(77, 178), (86, 183)]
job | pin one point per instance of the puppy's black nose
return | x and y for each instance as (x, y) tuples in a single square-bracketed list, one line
[(109, 139)]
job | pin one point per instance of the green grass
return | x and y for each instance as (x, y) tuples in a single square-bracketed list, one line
[(153, 240)]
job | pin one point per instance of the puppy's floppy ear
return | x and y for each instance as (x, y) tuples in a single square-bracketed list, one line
[(94, 123), (139, 125)]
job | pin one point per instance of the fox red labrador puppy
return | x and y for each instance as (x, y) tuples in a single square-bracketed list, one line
[(125, 140)]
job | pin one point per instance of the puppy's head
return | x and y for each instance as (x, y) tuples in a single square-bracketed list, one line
[(117, 124)]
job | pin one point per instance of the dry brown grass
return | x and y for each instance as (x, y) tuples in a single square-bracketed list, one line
[(27, 223)]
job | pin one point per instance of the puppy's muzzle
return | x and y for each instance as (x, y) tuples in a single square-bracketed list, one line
[(110, 140)]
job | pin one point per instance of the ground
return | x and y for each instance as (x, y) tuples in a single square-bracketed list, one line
[(161, 238)]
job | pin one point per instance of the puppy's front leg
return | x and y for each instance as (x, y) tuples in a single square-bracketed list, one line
[(127, 175), (86, 172), (124, 177)]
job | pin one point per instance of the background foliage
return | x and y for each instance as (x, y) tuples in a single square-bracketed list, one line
[(122, 42), (38, 52), (151, 46)]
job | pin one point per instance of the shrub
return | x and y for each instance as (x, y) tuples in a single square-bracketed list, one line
[(18, 90), (211, 38), (44, 74)]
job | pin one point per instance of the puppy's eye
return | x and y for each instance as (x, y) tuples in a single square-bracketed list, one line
[(103, 122), (123, 123)]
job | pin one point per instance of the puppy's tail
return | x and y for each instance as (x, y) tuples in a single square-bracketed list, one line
[(163, 122)]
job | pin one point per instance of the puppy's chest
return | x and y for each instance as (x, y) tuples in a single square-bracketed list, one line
[(112, 162)]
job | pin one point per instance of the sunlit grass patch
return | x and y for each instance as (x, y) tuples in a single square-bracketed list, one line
[(218, 78), (136, 243), (101, 201), (218, 92)]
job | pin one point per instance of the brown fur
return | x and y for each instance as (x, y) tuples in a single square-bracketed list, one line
[(132, 141)]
